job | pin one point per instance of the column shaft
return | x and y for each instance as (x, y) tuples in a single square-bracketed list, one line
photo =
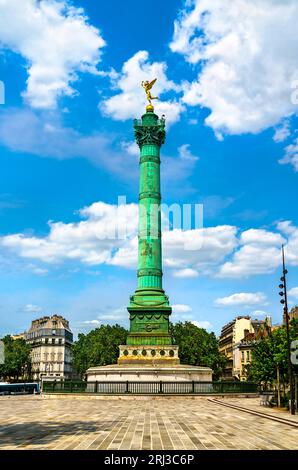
[(150, 252)]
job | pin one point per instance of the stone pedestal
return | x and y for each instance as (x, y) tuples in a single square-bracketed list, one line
[(149, 355), (149, 373), (149, 364)]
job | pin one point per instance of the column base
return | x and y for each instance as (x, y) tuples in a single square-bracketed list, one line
[(149, 355), (140, 339)]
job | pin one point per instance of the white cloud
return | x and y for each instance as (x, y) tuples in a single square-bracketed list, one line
[(291, 248), (201, 250), (282, 132), (186, 273), (131, 148), (37, 270), (291, 155), (242, 299), (287, 228), (185, 154), (30, 308), (126, 256), (107, 234), (118, 314), (184, 313), (206, 325), (56, 41), (261, 237), (7, 201), (259, 253), (258, 313), (181, 308), (91, 322), (130, 102), (89, 241), (43, 135), (293, 292), (246, 51), (113, 315), (189, 253)]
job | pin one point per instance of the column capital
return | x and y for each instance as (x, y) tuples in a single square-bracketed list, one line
[(150, 130)]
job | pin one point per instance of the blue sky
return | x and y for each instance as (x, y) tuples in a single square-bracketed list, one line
[(227, 79)]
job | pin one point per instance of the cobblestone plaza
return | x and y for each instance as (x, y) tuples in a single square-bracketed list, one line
[(174, 423)]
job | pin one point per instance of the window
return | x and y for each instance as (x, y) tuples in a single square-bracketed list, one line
[(53, 340), (247, 356), (242, 356)]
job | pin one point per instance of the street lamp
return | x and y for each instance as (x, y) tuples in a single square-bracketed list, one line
[(284, 302)]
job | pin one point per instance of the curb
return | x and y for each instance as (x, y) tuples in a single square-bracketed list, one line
[(255, 413)]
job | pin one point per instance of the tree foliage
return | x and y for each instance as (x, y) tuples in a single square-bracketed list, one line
[(198, 347), (17, 363), (100, 347), (270, 354)]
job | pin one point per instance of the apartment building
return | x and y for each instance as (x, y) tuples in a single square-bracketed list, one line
[(51, 339), (236, 340)]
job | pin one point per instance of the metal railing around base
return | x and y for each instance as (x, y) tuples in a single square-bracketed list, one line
[(150, 388)]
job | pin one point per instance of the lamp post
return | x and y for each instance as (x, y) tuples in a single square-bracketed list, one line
[(284, 302)]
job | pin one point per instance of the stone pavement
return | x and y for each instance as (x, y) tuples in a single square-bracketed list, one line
[(151, 424), (253, 404)]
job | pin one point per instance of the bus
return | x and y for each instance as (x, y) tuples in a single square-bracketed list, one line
[(19, 389)]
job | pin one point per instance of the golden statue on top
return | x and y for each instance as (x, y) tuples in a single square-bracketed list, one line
[(147, 87)]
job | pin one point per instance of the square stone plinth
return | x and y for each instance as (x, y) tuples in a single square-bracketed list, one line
[(166, 355)]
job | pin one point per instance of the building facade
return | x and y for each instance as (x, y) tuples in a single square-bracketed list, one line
[(51, 340), (18, 336), (293, 313), (231, 334), (236, 341)]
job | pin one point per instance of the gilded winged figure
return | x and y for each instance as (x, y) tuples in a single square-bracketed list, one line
[(147, 87)]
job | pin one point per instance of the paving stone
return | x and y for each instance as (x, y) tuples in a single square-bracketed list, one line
[(164, 423)]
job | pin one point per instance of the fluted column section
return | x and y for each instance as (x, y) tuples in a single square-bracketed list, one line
[(150, 135)]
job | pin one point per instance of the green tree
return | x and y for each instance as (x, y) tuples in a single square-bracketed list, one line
[(17, 362), (198, 347), (270, 354), (100, 347), (262, 368)]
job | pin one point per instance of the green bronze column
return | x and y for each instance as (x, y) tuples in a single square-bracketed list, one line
[(150, 135), (149, 307)]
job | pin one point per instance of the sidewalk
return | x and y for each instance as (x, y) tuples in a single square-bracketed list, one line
[(253, 404)]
